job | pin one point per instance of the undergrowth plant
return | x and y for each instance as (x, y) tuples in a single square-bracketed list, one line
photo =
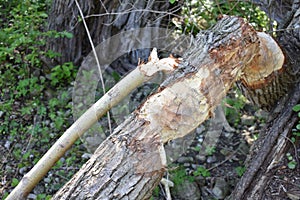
[(35, 102)]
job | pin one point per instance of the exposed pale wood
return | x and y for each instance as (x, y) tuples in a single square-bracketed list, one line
[(131, 161)]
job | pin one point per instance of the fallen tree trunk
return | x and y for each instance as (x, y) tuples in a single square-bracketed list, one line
[(130, 163)]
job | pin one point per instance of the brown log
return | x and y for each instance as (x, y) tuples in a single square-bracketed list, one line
[(130, 163)]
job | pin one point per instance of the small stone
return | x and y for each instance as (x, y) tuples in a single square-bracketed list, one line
[(194, 166), (228, 135), (247, 120), (201, 158), (220, 189), (200, 129), (211, 159), (31, 196), (1, 113), (7, 144), (86, 156), (185, 159), (186, 164), (47, 180), (187, 190), (23, 170)]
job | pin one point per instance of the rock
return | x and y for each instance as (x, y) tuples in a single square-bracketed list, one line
[(47, 180), (187, 190), (220, 189), (186, 165), (200, 129), (244, 148), (23, 170), (247, 120), (31, 196), (201, 158), (86, 156), (1, 113), (211, 159), (261, 114), (183, 159), (7, 144)]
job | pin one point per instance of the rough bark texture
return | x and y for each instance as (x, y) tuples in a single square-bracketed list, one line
[(131, 161), (104, 19), (273, 143)]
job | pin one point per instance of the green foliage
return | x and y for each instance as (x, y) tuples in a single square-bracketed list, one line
[(201, 171), (14, 182), (179, 175), (233, 107), (63, 74), (296, 130), (210, 150), (43, 197), (292, 164), (199, 15), (32, 114), (240, 170)]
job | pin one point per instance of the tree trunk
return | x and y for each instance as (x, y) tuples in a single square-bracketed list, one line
[(130, 163), (104, 19), (279, 93)]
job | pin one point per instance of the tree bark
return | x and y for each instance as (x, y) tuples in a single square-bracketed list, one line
[(104, 19), (130, 163)]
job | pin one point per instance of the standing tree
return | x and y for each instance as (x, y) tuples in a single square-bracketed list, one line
[(104, 19)]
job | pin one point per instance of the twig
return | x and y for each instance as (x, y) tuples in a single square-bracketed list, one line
[(96, 58)]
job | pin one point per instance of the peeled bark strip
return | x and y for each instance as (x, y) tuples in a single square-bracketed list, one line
[(130, 163)]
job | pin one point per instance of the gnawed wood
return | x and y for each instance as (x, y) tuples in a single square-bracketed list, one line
[(261, 82), (130, 163)]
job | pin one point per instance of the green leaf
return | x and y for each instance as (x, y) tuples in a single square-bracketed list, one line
[(296, 108), (14, 182), (172, 1), (67, 34), (292, 165)]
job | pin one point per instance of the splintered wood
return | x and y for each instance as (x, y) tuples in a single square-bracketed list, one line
[(189, 96)]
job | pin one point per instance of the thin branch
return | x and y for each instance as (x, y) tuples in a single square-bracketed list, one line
[(142, 73), (96, 58)]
